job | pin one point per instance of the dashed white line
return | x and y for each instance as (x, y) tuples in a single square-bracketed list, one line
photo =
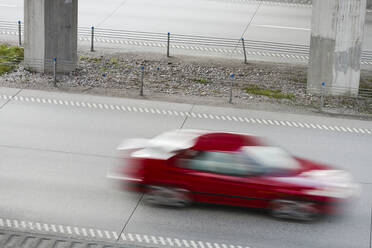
[(193, 115)]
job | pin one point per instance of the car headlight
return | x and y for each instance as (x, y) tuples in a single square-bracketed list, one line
[(335, 192)]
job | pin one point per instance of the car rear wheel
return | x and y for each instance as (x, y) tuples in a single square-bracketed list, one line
[(299, 210), (175, 197)]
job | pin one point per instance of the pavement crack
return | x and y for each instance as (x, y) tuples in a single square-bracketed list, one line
[(187, 116), (112, 13), (130, 217), (11, 98), (370, 230), (57, 151)]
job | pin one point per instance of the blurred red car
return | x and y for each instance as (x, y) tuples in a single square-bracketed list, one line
[(183, 166)]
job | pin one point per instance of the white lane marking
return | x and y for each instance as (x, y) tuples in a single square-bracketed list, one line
[(154, 239), (46, 227), (283, 27), (115, 234), (193, 115), (84, 231), (123, 237), (61, 229), (107, 235), (138, 237), (162, 241), (91, 231), (170, 241), (99, 233)]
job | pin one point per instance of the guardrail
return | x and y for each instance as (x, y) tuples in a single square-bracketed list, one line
[(232, 46)]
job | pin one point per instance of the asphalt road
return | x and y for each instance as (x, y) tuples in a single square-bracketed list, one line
[(216, 18), (56, 149)]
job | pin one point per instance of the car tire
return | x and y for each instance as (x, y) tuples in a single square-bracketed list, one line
[(167, 196), (291, 209)]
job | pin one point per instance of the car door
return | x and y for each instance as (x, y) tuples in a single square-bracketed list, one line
[(224, 178)]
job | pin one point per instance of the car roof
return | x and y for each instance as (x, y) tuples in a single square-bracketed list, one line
[(225, 141)]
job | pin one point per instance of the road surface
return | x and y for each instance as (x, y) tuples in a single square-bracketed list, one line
[(216, 18), (56, 149)]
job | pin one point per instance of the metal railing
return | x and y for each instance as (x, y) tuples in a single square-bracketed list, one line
[(231, 46)]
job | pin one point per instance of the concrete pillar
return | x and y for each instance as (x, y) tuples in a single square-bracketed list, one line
[(335, 48), (51, 32)]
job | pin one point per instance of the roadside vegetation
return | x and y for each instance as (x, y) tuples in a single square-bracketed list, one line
[(10, 57), (278, 94)]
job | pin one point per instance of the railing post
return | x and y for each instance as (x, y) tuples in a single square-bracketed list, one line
[(55, 72), (19, 33), (168, 43), (231, 87), (322, 95), (92, 40), (142, 76), (245, 54)]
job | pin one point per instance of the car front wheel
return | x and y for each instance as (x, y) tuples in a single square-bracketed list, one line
[(289, 209)]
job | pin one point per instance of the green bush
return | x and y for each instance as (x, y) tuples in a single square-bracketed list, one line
[(10, 56)]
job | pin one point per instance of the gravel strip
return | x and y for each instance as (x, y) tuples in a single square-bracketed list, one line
[(190, 79)]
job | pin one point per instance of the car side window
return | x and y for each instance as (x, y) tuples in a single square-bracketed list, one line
[(220, 163)]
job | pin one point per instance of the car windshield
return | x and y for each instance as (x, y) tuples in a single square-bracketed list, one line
[(173, 140), (271, 157)]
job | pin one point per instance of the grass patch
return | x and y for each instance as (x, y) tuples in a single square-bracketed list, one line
[(114, 61), (91, 59), (202, 81), (278, 94), (10, 56)]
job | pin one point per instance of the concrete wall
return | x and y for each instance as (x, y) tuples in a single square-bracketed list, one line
[(335, 48), (34, 34), (51, 32)]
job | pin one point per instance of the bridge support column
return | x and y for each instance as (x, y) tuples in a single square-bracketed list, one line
[(51, 32), (335, 48)]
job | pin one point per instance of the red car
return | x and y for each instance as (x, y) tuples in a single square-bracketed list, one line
[(183, 166)]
